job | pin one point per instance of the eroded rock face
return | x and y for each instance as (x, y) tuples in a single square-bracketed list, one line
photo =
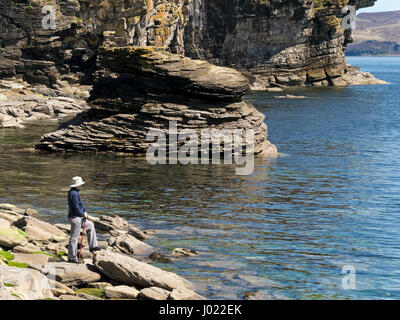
[(161, 87), (184, 76), (278, 42)]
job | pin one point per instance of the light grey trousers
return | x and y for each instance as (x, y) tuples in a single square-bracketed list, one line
[(76, 224)]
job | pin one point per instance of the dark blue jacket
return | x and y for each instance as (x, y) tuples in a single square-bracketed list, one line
[(75, 204)]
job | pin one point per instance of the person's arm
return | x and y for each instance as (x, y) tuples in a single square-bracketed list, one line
[(84, 209), (85, 214), (75, 204)]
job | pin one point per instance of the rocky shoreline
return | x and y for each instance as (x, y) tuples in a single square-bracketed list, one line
[(33, 265), (21, 102)]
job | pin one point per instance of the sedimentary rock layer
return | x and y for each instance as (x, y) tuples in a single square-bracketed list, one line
[(184, 76), (287, 42), (160, 87)]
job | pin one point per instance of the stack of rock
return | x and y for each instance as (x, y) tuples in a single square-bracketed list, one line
[(146, 88)]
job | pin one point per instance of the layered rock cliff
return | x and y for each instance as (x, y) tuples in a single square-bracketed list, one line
[(273, 43), (285, 42), (147, 90)]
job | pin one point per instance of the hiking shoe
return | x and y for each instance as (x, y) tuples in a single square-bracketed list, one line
[(94, 250), (73, 261), (76, 261)]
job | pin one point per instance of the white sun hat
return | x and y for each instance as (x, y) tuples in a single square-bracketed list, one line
[(76, 182)]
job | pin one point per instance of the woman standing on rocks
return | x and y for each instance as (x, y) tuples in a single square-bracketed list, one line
[(76, 215)]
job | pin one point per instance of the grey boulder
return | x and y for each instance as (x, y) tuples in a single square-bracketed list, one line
[(71, 274), (26, 284), (129, 271)]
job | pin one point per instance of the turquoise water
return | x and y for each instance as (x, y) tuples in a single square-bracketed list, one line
[(330, 200)]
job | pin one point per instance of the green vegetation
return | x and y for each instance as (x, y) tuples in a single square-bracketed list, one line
[(12, 233), (7, 255), (8, 285), (23, 233), (92, 291), (47, 254), (15, 295), (17, 264)]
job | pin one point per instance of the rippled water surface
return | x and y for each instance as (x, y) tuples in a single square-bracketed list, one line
[(330, 200)]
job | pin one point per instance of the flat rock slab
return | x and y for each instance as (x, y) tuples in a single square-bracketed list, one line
[(129, 271), (111, 222), (27, 248), (40, 230), (121, 292), (154, 293), (71, 274), (130, 245), (31, 259)]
